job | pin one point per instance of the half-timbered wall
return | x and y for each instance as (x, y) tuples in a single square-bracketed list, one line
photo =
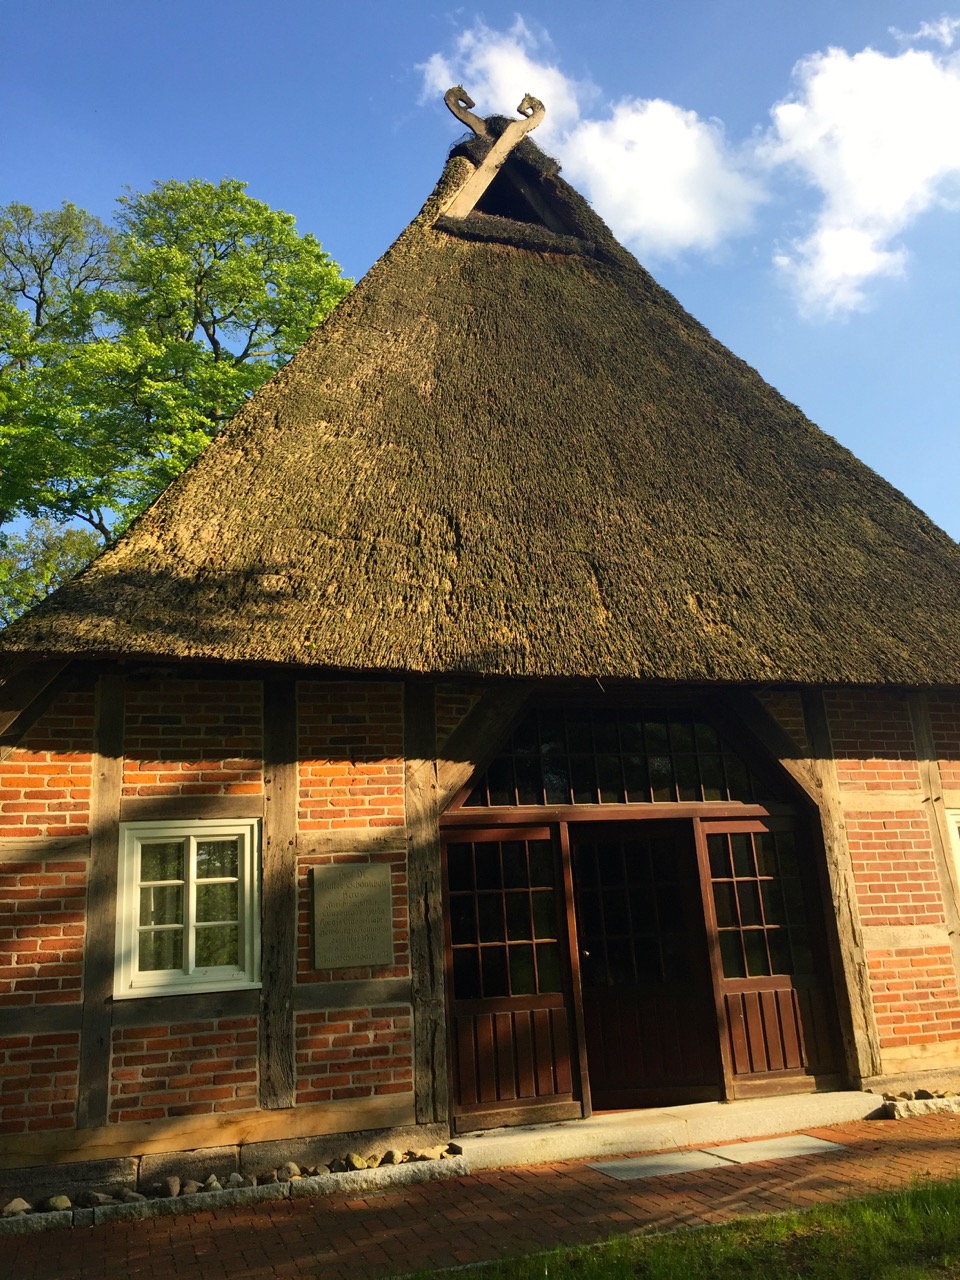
[(339, 773)]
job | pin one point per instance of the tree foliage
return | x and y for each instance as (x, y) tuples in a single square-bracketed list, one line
[(123, 348), (36, 560)]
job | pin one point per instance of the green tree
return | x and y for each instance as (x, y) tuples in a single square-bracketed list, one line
[(36, 560), (123, 349)]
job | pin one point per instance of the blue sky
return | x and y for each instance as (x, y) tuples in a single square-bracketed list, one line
[(790, 172)]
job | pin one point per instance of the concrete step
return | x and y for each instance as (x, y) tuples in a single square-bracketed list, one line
[(697, 1124)]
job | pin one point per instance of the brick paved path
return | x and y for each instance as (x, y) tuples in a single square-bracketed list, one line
[(488, 1215)]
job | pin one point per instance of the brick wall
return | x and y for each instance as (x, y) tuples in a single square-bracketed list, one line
[(787, 709), (894, 868), (945, 722), (453, 703), (351, 755), (45, 781), (184, 1069), (915, 995), (354, 1053), (193, 737), (873, 741), (42, 906), (38, 1081)]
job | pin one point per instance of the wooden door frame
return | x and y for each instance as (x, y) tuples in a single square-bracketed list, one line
[(702, 816), (526, 827)]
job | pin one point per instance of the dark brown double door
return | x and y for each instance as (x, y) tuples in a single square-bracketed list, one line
[(631, 964)]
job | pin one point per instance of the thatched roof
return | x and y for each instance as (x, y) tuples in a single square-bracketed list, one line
[(509, 451)]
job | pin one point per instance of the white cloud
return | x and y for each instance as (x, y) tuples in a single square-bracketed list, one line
[(945, 31), (877, 137), (663, 178), (498, 67), (873, 137)]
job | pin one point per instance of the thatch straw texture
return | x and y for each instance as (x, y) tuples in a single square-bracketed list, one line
[(509, 451)]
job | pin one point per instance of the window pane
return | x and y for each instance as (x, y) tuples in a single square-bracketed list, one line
[(460, 867), (488, 866), (779, 943), (162, 861), (217, 944), (773, 912), (711, 772), (749, 899), (723, 900), (611, 782), (529, 782), (500, 782), (161, 904), (161, 949), (522, 978), (732, 955), (518, 916), (541, 864), (556, 780), (661, 777), (548, 967), (490, 917), (756, 948), (218, 901), (218, 858), (583, 777), (544, 915), (493, 965), (466, 975), (765, 845), (463, 927), (719, 856), (635, 779), (742, 855), (688, 778), (514, 865)]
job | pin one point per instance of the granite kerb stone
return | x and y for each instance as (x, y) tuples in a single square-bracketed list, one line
[(387, 1175), (366, 1180)]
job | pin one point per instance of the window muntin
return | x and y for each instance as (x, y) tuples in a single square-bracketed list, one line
[(187, 907), (759, 904), (505, 927), (578, 756)]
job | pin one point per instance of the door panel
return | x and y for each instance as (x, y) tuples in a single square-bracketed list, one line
[(649, 1016), (508, 972), (769, 971)]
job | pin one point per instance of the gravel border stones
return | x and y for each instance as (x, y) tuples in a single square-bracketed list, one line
[(122, 1204)]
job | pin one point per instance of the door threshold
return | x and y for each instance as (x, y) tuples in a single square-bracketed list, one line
[(693, 1124)]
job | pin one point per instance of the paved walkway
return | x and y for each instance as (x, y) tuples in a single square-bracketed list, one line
[(492, 1214)]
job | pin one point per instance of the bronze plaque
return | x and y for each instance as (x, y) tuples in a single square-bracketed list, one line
[(352, 916)]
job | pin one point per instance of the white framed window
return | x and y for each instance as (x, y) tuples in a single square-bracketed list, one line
[(187, 907)]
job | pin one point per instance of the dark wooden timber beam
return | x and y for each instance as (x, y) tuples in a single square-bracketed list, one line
[(25, 694), (814, 771), (100, 952), (936, 810), (278, 959), (431, 1090), (477, 736)]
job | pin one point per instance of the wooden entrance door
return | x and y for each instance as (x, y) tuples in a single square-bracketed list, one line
[(509, 978), (649, 1011), (777, 1021)]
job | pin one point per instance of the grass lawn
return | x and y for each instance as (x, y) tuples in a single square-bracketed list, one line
[(906, 1235)]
